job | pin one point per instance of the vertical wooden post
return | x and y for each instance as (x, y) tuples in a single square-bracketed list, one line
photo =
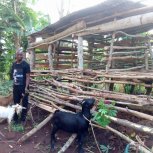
[(108, 66), (90, 48), (72, 52), (146, 60), (109, 63), (32, 39), (32, 59), (80, 52), (50, 56), (151, 53)]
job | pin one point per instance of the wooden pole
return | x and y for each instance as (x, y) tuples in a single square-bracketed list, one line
[(68, 143), (108, 66), (50, 57), (123, 14), (73, 29), (109, 63), (151, 52), (90, 47), (33, 131), (32, 59), (141, 148), (80, 52), (135, 126), (125, 47), (121, 24), (146, 60)]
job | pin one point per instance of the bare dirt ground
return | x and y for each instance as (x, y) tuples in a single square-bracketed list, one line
[(40, 142)]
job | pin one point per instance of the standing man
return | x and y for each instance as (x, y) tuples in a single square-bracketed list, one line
[(20, 74)]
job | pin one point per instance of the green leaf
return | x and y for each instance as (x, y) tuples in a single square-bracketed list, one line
[(103, 111)]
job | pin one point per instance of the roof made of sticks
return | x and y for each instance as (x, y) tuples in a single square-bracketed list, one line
[(101, 13)]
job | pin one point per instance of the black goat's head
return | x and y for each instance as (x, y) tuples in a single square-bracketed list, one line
[(88, 103)]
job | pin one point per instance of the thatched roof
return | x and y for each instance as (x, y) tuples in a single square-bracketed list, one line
[(93, 16)]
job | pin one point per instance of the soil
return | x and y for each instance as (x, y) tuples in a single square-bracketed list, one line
[(40, 142)]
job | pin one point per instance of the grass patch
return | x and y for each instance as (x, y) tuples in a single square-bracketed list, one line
[(17, 127)]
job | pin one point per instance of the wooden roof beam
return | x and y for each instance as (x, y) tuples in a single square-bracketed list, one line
[(126, 23)]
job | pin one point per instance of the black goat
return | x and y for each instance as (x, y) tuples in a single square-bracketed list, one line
[(73, 123)]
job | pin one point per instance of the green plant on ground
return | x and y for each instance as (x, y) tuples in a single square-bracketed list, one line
[(17, 128), (104, 110)]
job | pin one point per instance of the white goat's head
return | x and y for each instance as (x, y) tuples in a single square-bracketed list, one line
[(18, 108)]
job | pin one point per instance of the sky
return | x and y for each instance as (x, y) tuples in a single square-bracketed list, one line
[(50, 7)]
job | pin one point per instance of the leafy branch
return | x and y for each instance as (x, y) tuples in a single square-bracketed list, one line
[(104, 110)]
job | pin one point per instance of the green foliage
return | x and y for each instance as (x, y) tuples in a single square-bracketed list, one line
[(5, 87), (139, 89), (17, 128), (17, 20), (105, 149), (127, 88), (103, 111)]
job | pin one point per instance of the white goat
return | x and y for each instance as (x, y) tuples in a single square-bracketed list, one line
[(8, 113)]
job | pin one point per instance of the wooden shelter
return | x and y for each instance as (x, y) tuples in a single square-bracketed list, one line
[(89, 51), (100, 37)]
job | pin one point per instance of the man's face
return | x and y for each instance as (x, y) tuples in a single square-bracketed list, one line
[(19, 56)]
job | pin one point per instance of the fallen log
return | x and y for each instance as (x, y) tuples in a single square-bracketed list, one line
[(132, 125), (135, 113), (140, 147), (34, 130), (68, 143)]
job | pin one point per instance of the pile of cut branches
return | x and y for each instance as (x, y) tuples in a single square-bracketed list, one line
[(58, 89)]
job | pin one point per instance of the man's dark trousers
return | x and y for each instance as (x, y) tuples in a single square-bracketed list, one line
[(21, 98)]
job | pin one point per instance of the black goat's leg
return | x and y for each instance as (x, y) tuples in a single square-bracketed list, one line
[(81, 137), (53, 139)]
